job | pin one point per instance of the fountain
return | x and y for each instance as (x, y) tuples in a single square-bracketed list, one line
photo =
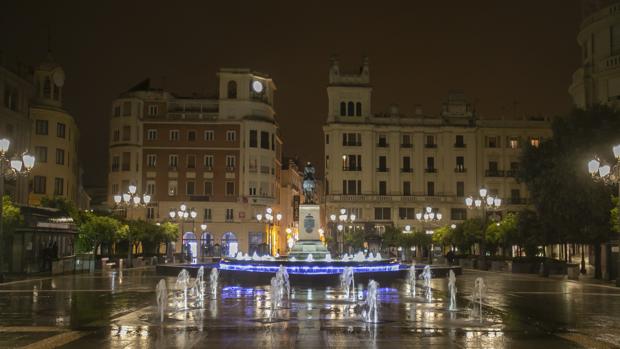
[(199, 287), (310, 258), (452, 290), (426, 276), (182, 284), (275, 294), (282, 277), (478, 296), (411, 279), (370, 314), (213, 278), (162, 298), (347, 283)]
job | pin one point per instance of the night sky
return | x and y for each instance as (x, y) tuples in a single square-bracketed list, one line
[(498, 52)]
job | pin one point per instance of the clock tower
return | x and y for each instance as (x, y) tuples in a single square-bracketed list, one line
[(49, 79)]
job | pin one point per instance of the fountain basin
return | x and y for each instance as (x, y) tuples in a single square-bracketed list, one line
[(235, 271)]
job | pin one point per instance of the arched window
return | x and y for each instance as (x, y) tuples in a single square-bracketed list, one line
[(56, 93), (230, 247), (343, 109), (358, 109), (206, 244), (232, 89), (190, 246), (351, 108), (47, 88)]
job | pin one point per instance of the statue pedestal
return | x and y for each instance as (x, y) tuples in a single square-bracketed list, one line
[(309, 222)]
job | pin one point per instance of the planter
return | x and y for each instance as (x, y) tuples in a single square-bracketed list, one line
[(525, 267), (499, 266), (483, 264)]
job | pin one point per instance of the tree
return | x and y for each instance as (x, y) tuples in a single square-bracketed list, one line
[(443, 236), (98, 230), (11, 218), (392, 237), (65, 206), (529, 232)]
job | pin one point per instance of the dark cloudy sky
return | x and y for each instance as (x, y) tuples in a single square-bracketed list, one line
[(496, 51)]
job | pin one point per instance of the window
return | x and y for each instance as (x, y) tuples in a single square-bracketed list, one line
[(116, 135), (10, 97), (273, 141), (514, 168), (172, 188), (459, 142), (117, 110), (383, 213), (460, 164), (116, 163), (174, 135), (60, 157), (430, 188), (231, 161), (191, 161), (190, 187), (125, 161), (150, 212), (458, 214), (60, 130), (126, 108), (405, 141), (352, 139), (492, 166), (350, 107), (191, 136), (460, 189), (252, 188), (382, 141), (151, 134), (207, 214), (115, 188), (382, 164), (232, 89), (406, 213), (406, 164), (173, 161), (58, 186), (515, 196), (513, 142), (208, 187), (230, 188), (264, 140), (406, 188), (492, 142), (351, 187), (209, 135), (253, 139), (41, 127), (382, 188), (231, 135), (343, 109), (358, 109), (326, 139), (352, 163), (40, 154), (151, 160), (209, 162), (126, 133), (47, 88), (150, 187), (39, 184), (535, 142), (230, 215), (430, 164), (153, 110), (430, 142)]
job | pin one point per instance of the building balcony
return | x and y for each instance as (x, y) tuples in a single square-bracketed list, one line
[(230, 169), (511, 173), (494, 173), (406, 170), (517, 201), (352, 168), (406, 145), (430, 170), (419, 198), (460, 145), (430, 145), (383, 169), (460, 170), (264, 169), (382, 145), (199, 198), (352, 144)]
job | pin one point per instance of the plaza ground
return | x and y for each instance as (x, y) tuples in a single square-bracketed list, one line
[(117, 310)]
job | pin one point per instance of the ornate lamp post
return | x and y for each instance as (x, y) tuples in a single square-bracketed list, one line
[(10, 167), (610, 175), (340, 222), (484, 203), (182, 215), (131, 199), (271, 219), (428, 218)]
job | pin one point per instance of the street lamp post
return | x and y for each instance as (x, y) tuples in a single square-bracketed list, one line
[(484, 203), (126, 201), (429, 218), (342, 220), (271, 219), (182, 214), (10, 167), (607, 174)]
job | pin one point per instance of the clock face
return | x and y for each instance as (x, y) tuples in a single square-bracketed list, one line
[(59, 78), (257, 86)]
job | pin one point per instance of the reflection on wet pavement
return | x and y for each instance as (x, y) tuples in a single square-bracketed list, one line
[(119, 310)]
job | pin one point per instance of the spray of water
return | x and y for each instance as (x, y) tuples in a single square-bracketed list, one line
[(282, 277), (182, 285), (162, 298), (199, 287), (371, 314), (478, 297), (213, 279), (426, 276), (347, 283), (411, 279), (275, 294), (452, 290)]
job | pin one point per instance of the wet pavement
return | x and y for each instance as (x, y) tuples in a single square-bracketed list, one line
[(118, 310)]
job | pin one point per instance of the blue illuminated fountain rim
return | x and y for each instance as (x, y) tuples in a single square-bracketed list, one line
[(310, 268)]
